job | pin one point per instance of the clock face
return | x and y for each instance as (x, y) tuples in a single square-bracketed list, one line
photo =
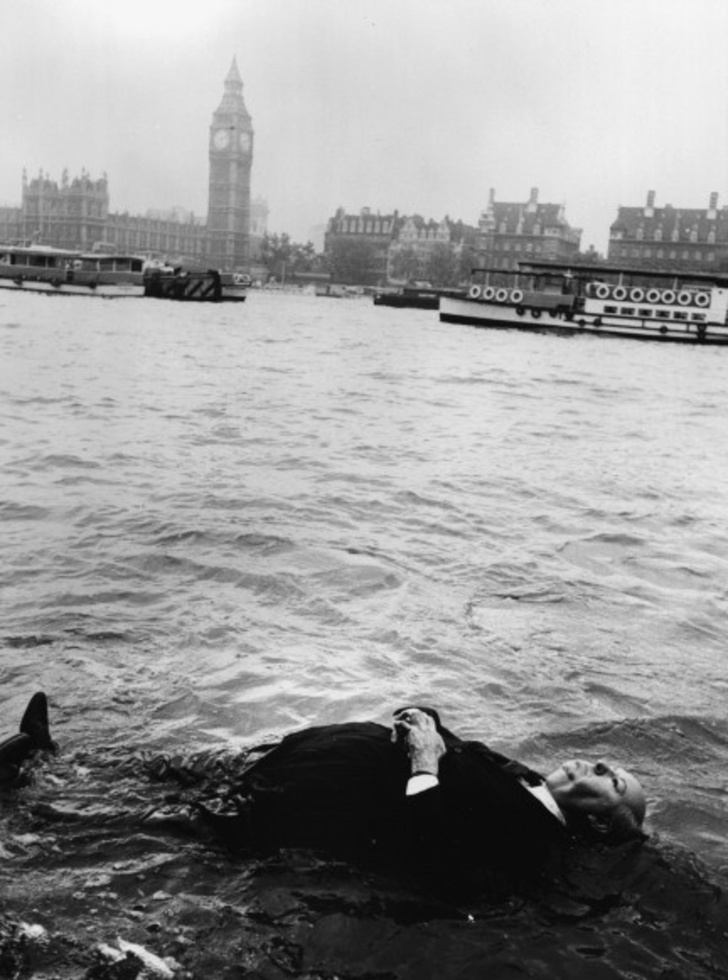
[(220, 139), (245, 142)]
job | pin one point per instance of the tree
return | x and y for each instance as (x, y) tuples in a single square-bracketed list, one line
[(284, 258), (442, 267), (467, 260), (275, 254), (404, 263), (353, 261)]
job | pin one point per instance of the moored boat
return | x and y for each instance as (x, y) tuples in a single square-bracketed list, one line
[(681, 307), (45, 269), (415, 297), (209, 286)]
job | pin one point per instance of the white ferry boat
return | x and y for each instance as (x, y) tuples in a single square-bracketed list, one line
[(602, 300), (44, 269)]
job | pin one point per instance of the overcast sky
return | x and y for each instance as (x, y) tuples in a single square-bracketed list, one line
[(418, 105)]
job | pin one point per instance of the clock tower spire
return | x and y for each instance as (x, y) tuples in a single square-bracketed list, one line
[(231, 160)]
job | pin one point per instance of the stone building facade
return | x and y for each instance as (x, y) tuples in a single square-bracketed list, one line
[(231, 160), (671, 238), (373, 232), (513, 232), (75, 212), (388, 237), (419, 243)]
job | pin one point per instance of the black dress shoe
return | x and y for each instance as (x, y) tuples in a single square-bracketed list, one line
[(34, 723)]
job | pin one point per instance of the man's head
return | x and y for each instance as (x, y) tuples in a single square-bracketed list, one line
[(612, 799)]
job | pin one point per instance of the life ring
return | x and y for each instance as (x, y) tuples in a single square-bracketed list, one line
[(516, 296), (702, 299), (668, 296), (18, 280), (502, 295), (602, 290), (536, 314), (684, 297), (488, 292), (619, 293), (520, 310), (653, 296), (474, 292), (663, 329), (637, 294)]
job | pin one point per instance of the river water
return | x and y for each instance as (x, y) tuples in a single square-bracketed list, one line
[(223, 523)]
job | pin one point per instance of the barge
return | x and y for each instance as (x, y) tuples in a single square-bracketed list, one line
[(414, 297), (210, 286)]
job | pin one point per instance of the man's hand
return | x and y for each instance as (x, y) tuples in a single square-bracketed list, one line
[(424, 745)]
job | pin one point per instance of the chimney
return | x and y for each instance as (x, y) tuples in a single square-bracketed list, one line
[(532, 201), (650, 208), (713, 206)]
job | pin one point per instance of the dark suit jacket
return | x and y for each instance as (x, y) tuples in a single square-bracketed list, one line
[(341, 788)]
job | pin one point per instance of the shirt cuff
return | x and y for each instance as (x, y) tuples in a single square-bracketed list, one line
[(420, 782)]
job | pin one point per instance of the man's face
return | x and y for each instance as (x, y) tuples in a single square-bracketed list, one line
[(594, 787)]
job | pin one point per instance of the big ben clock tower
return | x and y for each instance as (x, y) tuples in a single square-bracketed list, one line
[(231, 159)]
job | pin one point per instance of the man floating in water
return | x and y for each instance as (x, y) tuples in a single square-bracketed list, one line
[(418, 797), (411, 797)]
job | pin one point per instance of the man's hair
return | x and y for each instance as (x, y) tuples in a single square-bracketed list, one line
[(615, 827), (619, 825), (623, 823)]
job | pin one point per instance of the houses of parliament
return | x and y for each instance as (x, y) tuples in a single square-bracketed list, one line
[(75, 213)]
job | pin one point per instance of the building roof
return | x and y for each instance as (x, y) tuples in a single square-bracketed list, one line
[(232, 102), (519, 219), (630, 221)]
